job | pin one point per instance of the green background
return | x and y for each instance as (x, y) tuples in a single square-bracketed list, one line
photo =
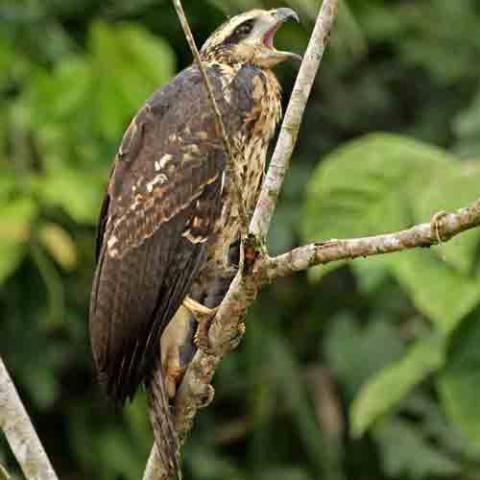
[(363, 371)]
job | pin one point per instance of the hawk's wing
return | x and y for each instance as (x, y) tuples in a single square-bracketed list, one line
[(162, 201)]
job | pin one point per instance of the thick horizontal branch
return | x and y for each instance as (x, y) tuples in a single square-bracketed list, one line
[(441, 228), (20, 434)]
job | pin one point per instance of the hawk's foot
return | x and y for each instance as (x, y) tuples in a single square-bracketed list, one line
[(199, 311), (201, 339), (204, 317), (173, 377)]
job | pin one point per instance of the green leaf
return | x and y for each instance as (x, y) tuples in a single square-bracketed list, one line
[(355, 353), (59, 244), (54, 96), (438, 290), (367, 186), (8, 182), (42, 384), (459, 381), (209, 465), (296, 401), (7, 57), (370, 273), (283, 472), (363, 188), (129, 64), (15, 222), (407, 453), (466, 126), (385, 390), (77, 192), (453, 189)]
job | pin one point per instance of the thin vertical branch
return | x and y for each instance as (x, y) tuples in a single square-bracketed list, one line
[(287, 138), (21, 436), (233, 177)]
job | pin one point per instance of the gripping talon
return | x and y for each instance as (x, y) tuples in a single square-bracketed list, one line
[(201, 339), (204, 317)]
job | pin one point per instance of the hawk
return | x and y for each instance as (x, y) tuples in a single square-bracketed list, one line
[(169, 220)]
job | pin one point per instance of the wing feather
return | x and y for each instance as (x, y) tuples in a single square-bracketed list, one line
[(163, 199), (164, 176)]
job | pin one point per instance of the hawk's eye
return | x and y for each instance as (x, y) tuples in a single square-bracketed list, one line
[(243, 29)]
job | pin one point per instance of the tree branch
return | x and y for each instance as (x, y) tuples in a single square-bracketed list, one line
[(292, 120), (21, 435), (441, 228), (233, 177)]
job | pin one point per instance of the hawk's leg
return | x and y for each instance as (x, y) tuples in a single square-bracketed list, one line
[(176, 348)]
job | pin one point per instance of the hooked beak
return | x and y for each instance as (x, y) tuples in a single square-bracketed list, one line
[(277, 18), (284, 14)]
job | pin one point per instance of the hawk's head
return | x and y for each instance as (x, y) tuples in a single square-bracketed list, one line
[(248, 38)]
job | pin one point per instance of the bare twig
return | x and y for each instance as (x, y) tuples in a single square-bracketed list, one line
[(21, 435), (287, 138), (233, 176), (440, 229)]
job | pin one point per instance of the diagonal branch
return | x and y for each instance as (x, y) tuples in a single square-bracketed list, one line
[(233, 177), (21, 436), (287, 138)]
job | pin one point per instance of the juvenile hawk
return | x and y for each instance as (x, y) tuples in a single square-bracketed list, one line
[(168, 218)]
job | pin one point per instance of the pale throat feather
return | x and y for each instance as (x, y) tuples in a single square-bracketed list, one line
[(251, 145)]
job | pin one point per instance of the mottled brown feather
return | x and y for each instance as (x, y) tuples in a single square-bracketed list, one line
[(162, 202), (166, 217)]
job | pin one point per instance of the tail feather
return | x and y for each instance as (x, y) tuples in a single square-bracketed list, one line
[(166, 439)]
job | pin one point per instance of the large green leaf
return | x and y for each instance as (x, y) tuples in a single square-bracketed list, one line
[(60, 109), (355, 353), (466, 126), (91, 97), (459, 381), (129, 64), (407, 452), (54, 96), (78, 193), (384, 391), (296, 401), (452, 189), (6, 60), (367, 187), (15, 222), (59, 244), (437, 289)]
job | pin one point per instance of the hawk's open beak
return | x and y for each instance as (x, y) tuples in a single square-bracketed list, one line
[(277, 18)]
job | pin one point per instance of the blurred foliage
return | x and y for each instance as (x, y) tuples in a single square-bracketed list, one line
[(362, 370)]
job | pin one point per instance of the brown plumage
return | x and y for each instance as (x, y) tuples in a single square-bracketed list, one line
[(168, 219)]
